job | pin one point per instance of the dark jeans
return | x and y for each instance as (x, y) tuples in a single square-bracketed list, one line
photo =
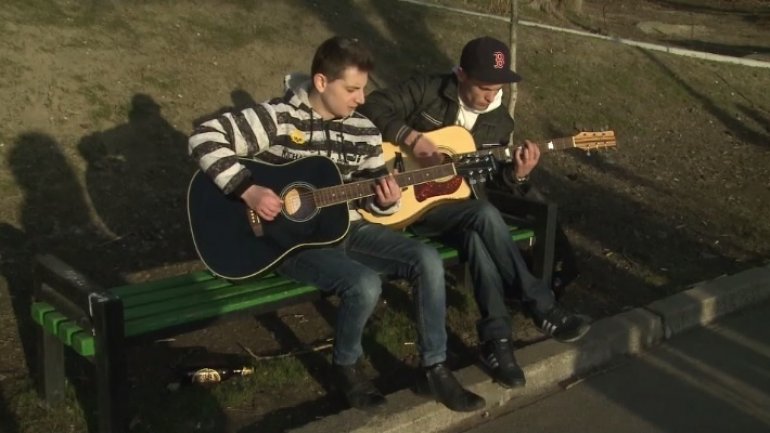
[(565, 263), (478, 231), (352, 269)]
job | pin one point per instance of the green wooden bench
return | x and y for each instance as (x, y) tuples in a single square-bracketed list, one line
[(98, 324)]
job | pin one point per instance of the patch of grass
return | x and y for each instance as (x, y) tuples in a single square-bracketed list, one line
[(100, 109), (275, 373), (33, 415), (224, 34), (11, 72), (248, 5), (192, 408), (160, 81), (394, 329), (57, 13), (269, 375), (202, 408)]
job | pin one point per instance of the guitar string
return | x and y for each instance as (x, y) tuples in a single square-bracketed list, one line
[(294, 199), (310, 194)]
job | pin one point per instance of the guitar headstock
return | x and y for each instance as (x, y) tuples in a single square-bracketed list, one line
[(594, 140), (475, 167)]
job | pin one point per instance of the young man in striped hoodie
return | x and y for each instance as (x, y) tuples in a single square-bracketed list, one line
[(319, 117)]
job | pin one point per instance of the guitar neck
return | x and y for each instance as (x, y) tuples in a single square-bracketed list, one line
[(355, 190), (505, 153), (560, 143)]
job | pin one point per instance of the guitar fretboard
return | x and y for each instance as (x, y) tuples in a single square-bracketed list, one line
[(352, 191), (505, 153)]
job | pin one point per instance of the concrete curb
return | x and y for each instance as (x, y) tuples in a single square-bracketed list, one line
[(711, 299), (549, 362)]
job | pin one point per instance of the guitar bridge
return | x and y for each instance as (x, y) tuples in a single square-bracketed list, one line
[(255, 223)]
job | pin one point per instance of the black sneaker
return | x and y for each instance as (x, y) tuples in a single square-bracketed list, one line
[(359, 391), (439, 381), (561, 325), (497, 356)]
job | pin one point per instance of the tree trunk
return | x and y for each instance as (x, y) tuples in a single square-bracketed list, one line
[(513, 90)]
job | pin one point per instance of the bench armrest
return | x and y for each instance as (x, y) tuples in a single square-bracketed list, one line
[(59, 284)]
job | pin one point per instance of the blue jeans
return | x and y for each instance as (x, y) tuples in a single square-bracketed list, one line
[(478, 231), (352, 269)]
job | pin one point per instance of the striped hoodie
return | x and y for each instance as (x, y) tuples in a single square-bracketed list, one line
[(282, 130)]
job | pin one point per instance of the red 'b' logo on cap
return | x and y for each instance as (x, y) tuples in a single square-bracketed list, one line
[(499, 59)]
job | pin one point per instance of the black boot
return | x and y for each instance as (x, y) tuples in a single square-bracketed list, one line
[(439, 381), (359, 391)]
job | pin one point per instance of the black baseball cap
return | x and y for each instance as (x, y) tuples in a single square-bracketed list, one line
[(489, 60)]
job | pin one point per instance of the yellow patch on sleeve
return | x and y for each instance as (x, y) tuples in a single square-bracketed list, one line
[(297, 136)]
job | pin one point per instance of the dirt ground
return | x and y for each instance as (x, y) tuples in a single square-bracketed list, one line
[(98, 99)]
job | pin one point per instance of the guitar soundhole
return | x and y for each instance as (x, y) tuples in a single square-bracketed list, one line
[(298, 203)]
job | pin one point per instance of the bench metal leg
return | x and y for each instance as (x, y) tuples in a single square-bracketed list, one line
[(112, 385), (545, 241), (50, 367)]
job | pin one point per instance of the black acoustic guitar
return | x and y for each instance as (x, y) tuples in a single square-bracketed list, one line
[(233, 243)]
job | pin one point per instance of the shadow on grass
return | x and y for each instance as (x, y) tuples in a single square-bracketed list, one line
[(690, 6), (736, 127), (136, 178), (724, 49), (409, 46), (13, 261), (8, 423), (56, 220)]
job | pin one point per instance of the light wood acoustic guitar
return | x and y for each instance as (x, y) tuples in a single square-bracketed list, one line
[(456, 142)]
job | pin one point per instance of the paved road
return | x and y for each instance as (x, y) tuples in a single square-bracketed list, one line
[(713, 379)]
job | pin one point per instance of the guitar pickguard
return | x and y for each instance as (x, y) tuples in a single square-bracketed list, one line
[(427, 190)]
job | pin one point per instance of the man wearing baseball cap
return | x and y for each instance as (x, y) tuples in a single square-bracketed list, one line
[(471, 96), (487, 59)]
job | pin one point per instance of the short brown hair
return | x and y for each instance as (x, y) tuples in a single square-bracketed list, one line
[(336, 54)]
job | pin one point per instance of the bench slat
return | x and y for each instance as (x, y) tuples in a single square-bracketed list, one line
[(214, 308), (202, 297), (67, 331), (39, 310), (129, 290), (214, 285)]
